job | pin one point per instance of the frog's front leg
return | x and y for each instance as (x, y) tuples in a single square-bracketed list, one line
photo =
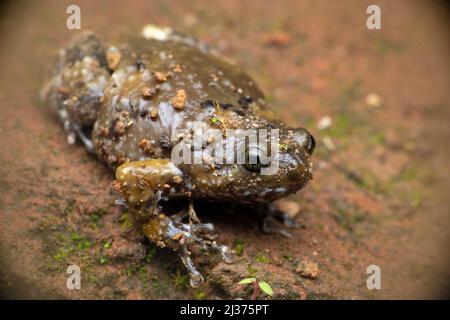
[(141, 183), (166, 232)]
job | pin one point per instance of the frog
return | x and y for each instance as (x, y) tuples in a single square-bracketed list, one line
[(131, 103)]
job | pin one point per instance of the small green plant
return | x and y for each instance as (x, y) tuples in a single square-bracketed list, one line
[(107, 244), (181, 281), (200, 294), (257, 287), (262, 258)]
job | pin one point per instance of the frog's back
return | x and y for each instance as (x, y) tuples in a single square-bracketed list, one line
[(133, 98), (158, 88)]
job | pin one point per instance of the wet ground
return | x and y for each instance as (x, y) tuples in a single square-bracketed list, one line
[(380, 192)]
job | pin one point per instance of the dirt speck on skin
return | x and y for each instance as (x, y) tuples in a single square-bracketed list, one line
[(381, 169), (308, 269)]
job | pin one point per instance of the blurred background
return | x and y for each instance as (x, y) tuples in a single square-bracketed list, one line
[(377, 102)]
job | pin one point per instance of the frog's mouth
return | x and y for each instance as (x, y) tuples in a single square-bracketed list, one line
[(246, 194)]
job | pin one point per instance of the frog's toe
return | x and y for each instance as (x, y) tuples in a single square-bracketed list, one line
[(290, 222), (202, 228), (225, 252), (71, 138), (184, 237), (203, 234), (270, 225), (121, 202), (196, 279)]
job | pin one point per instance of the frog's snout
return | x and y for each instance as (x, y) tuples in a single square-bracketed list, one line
[(305, 140)]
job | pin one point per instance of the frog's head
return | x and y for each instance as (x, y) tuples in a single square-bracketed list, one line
[(268, 172)]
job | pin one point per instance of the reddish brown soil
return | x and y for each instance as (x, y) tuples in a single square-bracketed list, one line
[(381, 197)]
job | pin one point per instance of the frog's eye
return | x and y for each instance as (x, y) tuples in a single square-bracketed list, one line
[(305, 139), (253, 160)]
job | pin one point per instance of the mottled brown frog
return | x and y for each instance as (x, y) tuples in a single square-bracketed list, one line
[(139, 106)]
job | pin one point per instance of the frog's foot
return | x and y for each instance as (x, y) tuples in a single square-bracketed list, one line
[(285, 211), (201, 234), (288, 221), (195, 277), (270, 225), (275, 220), (184, 238)]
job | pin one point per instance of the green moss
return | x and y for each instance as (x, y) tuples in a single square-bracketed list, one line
[(69, 207), (62, 254), (262, 258), (239, 247), (69, 243), (199, 294), (414, 197), (354, 219), (287, 256), (408, 174), (347, 219), (129, 272), (92, 279), (180, 281), (377, 138), (125, 221), (80, 242), (151, 252), (383, 46), (143, 275), (251, 271), (95, 217), (341, 127)]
